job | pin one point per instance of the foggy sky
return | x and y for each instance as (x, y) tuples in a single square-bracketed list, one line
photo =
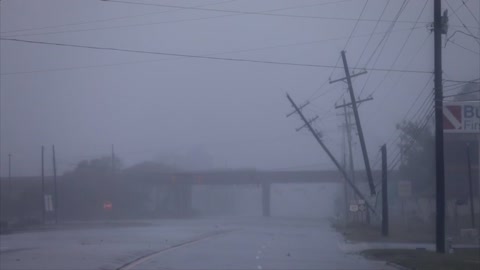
[(152, 106)]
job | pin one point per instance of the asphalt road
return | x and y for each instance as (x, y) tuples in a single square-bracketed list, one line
[(215, 243)]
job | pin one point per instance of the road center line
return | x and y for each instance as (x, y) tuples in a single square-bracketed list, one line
[(142, 259)]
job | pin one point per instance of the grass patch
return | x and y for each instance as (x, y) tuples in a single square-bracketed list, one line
[(462, 259)]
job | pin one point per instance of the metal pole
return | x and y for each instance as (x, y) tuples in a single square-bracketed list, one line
[(10, 186), (384, 192), (359, 125), (470, 186), (439, 154), (113, 159), (43, 185), (55, 184)]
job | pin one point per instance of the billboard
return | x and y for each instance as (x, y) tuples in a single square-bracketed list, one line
[(461, 117)]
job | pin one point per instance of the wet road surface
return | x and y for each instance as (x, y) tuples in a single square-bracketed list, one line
[(214, 243)]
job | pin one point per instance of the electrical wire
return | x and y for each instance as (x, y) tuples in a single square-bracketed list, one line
[(462, 94), (400, 51), (251, 12), (463, 47), (194, 56), (356, 24), (165, 22), (381, 42), (374, 29), (461, 21), (220, 53), (471, 13), (104, 20)]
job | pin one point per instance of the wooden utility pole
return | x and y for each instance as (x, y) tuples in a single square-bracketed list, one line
[(55, 183), (439, 153), (384, 192), (43, 185), (470, 185), (353, 100), (113, 158), (349, 134), (10, 186), (330, 155)]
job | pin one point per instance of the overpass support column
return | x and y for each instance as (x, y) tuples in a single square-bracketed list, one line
[(266, 199)]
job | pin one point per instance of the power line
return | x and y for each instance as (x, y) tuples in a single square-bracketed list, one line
[(370, 38), (384, 38), (253, 12), (356, 24), (461, 21), (226, 52), (461, 94), (463, 47), (104, 20), (412, 58), (458, 81), (166, 22), (197, 56), (400, 51), (471, 13), (392, 139)]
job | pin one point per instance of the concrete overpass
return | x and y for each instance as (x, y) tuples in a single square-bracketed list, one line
[(180, 183)]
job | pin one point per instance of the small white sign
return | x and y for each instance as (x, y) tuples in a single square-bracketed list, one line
[(48, 203), (353, 207)]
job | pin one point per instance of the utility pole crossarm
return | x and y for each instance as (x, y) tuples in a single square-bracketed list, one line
[(309, 122), (301, 107), (351, 76), (330, 155), (350, 104)]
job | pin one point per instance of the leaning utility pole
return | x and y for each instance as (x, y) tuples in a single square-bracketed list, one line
[(358, 124), (349, 134), (439, 155), (330, 155), (55, 183)]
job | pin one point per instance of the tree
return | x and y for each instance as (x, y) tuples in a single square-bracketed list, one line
[(96, 167), (417, 150)]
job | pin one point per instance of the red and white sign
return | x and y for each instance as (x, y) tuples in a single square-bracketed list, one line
[(461, 117), (107, 206)]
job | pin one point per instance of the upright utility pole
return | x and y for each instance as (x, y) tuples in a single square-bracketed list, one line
[(439, 155), (10, 186), (344, 163), (43, 185), (384, 192), (9, 167), (358, 124), (470, 187), (113, 158), (55, 183)]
